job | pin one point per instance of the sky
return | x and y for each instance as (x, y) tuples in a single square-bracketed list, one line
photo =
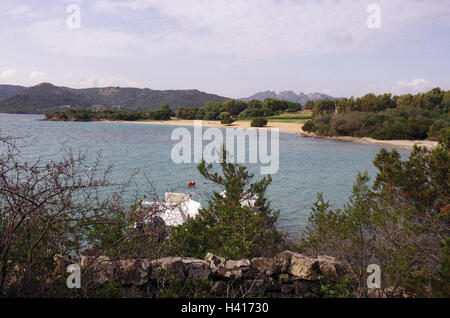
[(232, 48)]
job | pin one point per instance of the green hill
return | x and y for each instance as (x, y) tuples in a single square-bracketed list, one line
[(45, 97), (7, 90)]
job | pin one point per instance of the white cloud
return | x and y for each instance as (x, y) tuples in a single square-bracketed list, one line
[(9, 73), (250, 43), (264, 28), (36, 75), (54, 36), (19, 12), (251, 29), (416, 85)]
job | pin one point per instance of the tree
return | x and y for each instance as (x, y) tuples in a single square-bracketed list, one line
[(254, 104), (309, 105), (346, 105), (61, 208), (309, 126), (441, 283), (43, 207), (402, 224), (213, 110), (182, 112), (325, 106), (225, 118), (433, 98), (234, 107), (350, 230), (229, 227), (200, 115), (259, 122), (279, 105), (192, 114)]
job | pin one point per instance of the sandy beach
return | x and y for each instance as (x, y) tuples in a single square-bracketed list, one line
[(283, 127), (409, 144), (296, 128)]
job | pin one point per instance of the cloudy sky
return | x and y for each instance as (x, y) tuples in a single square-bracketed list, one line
[(232, 48)]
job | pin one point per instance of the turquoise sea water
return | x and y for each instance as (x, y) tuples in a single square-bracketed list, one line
[(307, 166)]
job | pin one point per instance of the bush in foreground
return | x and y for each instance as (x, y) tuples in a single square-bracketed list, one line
[(401, 224), (229, 228)]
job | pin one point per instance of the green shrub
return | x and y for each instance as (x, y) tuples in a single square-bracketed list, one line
[(401, 222), (309, 126), (250, 113), (413, 117), (225, 118), (435, 130), (342, 289), (259, 122), (227, 227)]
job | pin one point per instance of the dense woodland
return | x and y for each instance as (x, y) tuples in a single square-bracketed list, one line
[(413, 117), (238, 109), (164, 113), (210, 111)]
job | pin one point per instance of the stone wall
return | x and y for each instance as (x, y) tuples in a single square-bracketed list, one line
[(288, 274)]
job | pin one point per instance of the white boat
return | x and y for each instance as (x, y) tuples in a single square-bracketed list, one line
[(247, 200), (176, 210)]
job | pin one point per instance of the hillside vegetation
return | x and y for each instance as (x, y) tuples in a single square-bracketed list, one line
[(45, 98), (6, 90), (383, 117)]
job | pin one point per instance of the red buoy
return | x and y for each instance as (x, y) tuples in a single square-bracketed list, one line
[(191, 183)]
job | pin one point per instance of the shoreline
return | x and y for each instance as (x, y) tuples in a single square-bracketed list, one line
[(406, 144), (296, 128), (292, 128)]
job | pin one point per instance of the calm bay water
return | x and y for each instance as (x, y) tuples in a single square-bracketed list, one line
[(307, 166)]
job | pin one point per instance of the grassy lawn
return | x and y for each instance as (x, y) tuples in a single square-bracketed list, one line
[(286, 118), (291, 118), (281, 120)]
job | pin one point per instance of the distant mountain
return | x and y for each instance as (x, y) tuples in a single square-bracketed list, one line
[(6, 90), (289, 96), (261, 96), (46, 97)]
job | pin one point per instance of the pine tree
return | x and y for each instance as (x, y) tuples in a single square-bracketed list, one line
[(229, 227)]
